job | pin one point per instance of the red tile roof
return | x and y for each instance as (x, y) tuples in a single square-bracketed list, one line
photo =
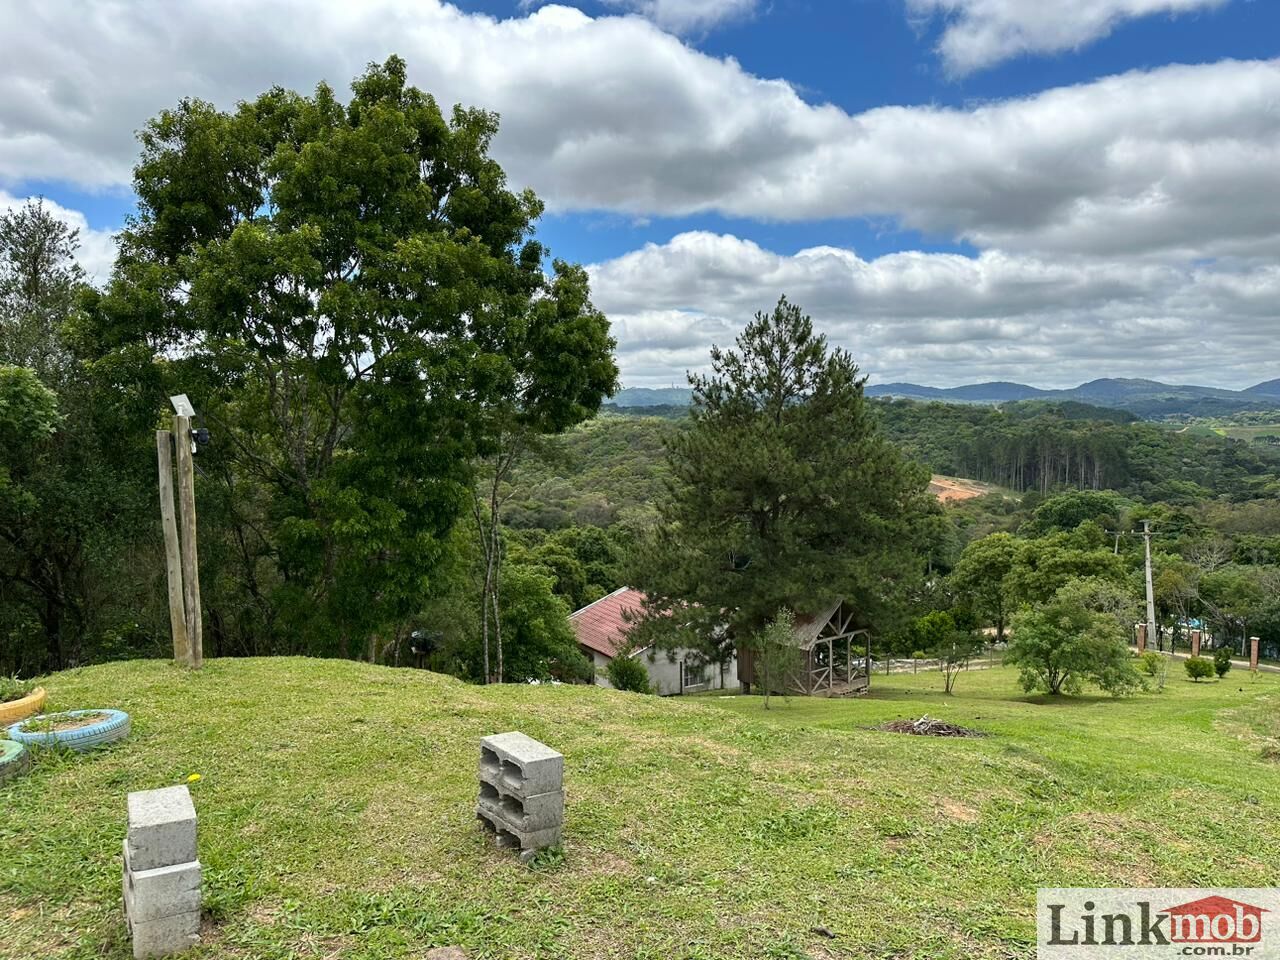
[(600, 626)]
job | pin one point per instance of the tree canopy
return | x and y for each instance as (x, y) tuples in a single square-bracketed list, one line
[(1062, 644), (352, 296)]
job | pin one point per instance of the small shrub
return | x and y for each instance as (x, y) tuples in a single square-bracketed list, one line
[(1198, 668), (628, 673), (1222, 661), (1149, 663), (11, 688)]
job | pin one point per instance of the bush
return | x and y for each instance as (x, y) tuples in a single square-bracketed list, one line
[(628, 673), (11, 688), (1222, 661), (1149, 663), (1198, 668)]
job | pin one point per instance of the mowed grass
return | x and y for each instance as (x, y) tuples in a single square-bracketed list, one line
[(336, 814)]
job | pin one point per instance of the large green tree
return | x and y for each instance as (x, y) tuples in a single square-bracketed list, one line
[(784, 494), (74, 501), (352, 296), (983, 578)]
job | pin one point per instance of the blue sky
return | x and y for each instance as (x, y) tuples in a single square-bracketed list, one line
[(958, 190)]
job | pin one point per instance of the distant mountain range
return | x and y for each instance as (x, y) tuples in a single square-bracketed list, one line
[(1104, 393), (1149, 398)]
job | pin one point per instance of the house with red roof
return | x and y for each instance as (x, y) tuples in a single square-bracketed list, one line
[(602, 629)]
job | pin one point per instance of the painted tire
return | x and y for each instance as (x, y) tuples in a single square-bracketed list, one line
[(115, 727), (20, 709), (14, 760)]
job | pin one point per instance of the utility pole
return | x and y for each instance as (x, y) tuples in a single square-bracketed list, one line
[(1151, 597), (1151, 601), (1152, 636)]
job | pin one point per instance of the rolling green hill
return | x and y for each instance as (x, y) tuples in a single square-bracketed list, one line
[(336, 815)]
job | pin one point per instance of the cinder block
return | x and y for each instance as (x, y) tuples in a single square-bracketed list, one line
[(162, 828), (525, 841), (531, 813), (159, 938), (521, 764), (162, 892)]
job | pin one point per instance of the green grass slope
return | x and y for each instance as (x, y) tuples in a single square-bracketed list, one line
[(336, 814)]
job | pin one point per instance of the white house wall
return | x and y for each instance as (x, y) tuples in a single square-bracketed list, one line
[(664, 673)]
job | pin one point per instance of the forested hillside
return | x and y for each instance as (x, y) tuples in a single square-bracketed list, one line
[(1042, 446), (610, 470)]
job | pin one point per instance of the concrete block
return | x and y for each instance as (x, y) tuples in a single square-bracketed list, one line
[(523, 765), (162, 892), (525, 841), (530, 813), (162, 828), (160, 938)]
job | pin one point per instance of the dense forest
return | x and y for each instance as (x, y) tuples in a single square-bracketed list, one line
[(1042, 446), (610, 470)]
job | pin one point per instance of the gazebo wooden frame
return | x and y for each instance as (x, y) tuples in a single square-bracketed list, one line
[(819, 672)]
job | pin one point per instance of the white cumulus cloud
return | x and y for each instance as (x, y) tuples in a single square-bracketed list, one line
[(982, 33), (687, 16), (614, 114), (944, 318)]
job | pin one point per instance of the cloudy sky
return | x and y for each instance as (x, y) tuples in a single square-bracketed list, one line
[(957, 190)]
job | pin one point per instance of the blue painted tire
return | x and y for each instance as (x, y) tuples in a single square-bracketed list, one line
[(14, 760), (114, 727)]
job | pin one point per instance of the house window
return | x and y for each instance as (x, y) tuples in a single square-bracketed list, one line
[(695, 673)]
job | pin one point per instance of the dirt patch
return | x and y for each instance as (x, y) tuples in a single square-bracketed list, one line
[(61, 723), (956, 490), (926, 726), (959, 811)]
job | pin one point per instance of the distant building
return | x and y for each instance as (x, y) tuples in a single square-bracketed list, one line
[(602, 628)]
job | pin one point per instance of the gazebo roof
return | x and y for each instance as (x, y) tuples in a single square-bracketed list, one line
[(811, 627)]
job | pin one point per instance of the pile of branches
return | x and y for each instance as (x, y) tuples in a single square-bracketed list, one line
[(926, 726)]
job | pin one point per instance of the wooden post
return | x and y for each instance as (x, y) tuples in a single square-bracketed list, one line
[(1253, 654), (190, 561), (1195, 642), (1142, 637), (868, 661), (172, 555)]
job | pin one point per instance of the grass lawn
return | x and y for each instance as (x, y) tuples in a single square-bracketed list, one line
[(336, 814)]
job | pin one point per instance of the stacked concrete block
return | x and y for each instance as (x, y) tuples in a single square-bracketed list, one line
[(161, 873), (521, 793)]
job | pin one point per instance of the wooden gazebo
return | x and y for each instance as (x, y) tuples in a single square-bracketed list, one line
[(833, 659)]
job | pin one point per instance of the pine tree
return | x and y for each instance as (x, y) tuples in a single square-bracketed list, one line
[(784, 494)]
